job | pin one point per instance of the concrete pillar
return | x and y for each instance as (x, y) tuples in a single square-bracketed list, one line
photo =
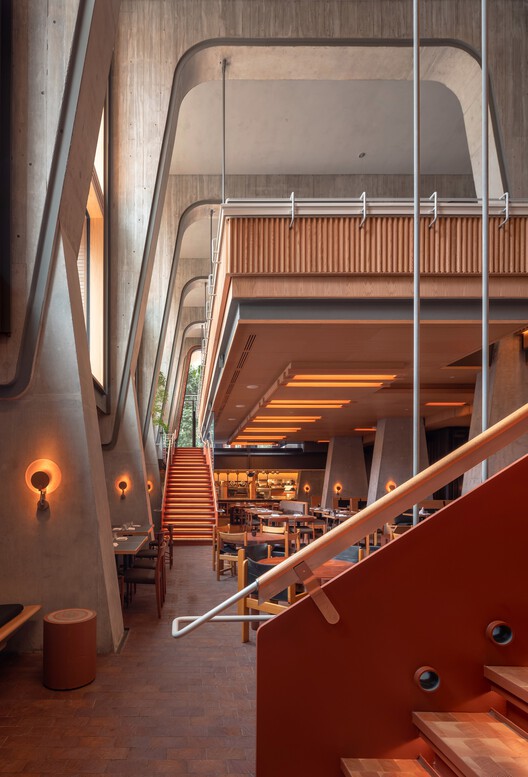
[(345, 467), (313, 479), (508, 391), (392, 457)]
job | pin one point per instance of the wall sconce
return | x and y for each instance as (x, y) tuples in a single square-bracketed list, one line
[(338, 488), (390, 486), (149, 486), (43, 476), (306, 488), (123, 485)]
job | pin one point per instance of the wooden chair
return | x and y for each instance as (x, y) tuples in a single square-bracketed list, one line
[(149, 575), (248, 571), (151, 552), (224, 527), (227, 551)]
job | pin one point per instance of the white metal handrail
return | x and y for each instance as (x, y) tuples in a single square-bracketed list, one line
[(377, 514)]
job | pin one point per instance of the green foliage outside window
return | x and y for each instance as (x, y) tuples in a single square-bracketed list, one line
[(185, 437), (159, 403)]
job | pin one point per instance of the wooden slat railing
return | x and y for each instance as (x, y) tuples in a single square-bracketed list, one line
[(384, 244), (389, 506)]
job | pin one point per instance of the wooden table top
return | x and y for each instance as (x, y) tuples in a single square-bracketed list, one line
[(326, 571), (131, 545)]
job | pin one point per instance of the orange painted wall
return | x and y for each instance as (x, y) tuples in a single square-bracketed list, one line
[(326, 692)]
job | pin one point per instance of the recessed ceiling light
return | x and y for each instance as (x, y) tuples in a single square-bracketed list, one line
[(286, 419), (239, 405), (365, 429), (255, 429), (445, 404), (333, 384), (344, 376), (252, 386), (300, 402), (361, 154), (231, 419)]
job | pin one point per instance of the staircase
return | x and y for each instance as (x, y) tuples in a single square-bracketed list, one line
[(188, 501), (466, 744)]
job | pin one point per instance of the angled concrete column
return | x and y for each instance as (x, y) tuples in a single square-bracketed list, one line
[(345, 466), (508, 391), (392, 458)]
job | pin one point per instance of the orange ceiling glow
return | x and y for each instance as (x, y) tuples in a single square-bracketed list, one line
[(254, 429), (445, 404), (287, 419), (333, 384), (342, 378)]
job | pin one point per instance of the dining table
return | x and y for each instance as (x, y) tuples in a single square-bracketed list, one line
[(129, 544)]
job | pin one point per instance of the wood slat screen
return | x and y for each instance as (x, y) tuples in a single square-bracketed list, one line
[(384, 244)]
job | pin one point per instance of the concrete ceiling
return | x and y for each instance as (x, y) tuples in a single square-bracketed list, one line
[(319, 127)]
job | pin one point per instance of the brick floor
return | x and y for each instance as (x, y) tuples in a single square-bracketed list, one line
[(159, 707)]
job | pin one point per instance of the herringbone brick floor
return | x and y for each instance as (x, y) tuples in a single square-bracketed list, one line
[(160, 706)]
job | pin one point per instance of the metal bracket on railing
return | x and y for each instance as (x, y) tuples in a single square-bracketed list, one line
[(314, 590), (363, 199), (506, 209), (292, 200), (434, 198)]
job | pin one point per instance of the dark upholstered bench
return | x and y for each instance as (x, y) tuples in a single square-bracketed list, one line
[(12, 617)]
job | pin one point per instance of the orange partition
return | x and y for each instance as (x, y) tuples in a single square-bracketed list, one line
[(425, 599)]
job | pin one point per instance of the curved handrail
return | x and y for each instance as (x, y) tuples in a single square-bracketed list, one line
[(390, 505)]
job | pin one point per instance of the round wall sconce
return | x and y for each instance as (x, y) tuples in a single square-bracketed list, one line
[(390, 485), (427, 679), (499, 632), (149, 486), (306, 488), (43, 476), (123, 485), (338, 488)]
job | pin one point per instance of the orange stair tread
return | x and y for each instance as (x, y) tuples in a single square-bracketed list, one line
[(476, 743), (382, 767), (513, 679)]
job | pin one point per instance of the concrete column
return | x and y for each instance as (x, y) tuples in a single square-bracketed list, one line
[(392, 457), (508, 391), (345, 467)]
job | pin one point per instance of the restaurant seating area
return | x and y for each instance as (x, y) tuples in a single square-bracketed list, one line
[(155, 707)]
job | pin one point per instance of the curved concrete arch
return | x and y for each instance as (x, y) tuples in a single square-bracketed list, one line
[(451, 63), (181, 396), (193, 213), (178, 338), (178, 381)]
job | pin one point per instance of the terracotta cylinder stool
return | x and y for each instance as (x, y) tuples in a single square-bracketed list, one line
[(69, 649)]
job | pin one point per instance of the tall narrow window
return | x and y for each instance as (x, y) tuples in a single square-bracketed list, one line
[(91, 265)]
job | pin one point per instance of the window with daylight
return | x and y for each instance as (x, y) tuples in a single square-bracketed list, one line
[(91, 265)]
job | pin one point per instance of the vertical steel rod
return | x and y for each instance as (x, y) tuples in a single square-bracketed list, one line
[(224, 65), (416, 278), (485, 223)]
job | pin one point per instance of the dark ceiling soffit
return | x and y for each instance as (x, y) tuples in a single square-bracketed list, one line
[(376, 309), (259, 459)]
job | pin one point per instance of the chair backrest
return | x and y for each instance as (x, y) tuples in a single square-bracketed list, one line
[(255, 570), (231, 537), (258, 552), (276, 529)]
